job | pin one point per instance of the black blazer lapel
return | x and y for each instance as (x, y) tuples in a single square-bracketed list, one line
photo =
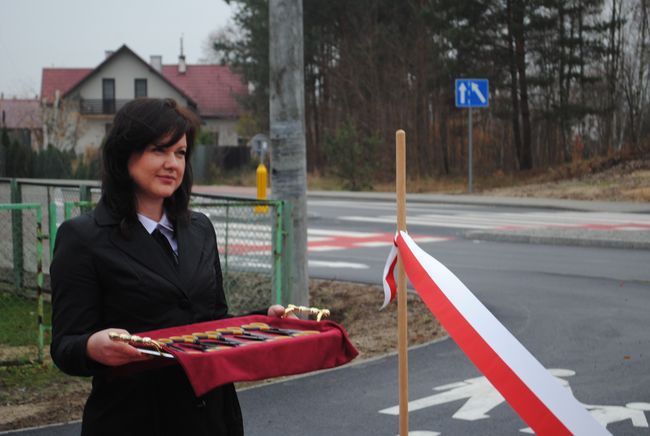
[(140, 246), (191, 241)]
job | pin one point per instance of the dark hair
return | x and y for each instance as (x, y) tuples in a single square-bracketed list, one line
[(140, 123)]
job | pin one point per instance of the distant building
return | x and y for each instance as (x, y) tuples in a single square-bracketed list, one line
[(22, 119), (79, 103)]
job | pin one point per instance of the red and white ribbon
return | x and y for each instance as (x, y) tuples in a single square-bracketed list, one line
[(531, 390), (390, 287)]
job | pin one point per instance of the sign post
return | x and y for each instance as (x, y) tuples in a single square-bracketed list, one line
[(471, 93)]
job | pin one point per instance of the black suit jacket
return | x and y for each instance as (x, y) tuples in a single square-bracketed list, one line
[(101, 279)]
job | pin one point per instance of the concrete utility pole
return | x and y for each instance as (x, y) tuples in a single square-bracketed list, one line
[(287, 119)]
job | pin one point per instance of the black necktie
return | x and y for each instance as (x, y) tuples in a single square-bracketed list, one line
[(164, 243)]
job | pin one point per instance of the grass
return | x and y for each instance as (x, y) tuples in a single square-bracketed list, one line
[(37, 394), (18, 319), (613, 177), (28, 377), (245, 176)]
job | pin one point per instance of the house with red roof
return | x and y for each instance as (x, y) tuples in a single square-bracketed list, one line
[(22, 120), (79, 103)]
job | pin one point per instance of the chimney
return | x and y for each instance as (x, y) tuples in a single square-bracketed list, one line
[(156, 62), (182, 66), (108, 53)]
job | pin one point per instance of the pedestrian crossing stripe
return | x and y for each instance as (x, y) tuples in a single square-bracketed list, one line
[(319, 240)]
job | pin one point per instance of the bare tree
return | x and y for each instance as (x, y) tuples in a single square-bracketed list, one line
[(635, 74), (62, 124), (287, 120)]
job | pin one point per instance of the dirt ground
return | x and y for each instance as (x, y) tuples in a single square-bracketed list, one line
[(38, 396), (603, 179)]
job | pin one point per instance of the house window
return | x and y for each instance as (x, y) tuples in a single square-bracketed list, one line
[(108, 96), (140, 88)]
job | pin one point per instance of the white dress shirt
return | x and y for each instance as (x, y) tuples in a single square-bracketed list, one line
[(164, 226)]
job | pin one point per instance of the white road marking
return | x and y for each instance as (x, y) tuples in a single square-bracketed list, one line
[(422, 433), (325, 248), (327, 232), (425, 239), (375, 244), (481, 398), (326, 264), (606, 415)]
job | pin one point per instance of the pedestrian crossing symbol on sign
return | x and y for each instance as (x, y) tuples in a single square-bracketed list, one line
[(472, 92)]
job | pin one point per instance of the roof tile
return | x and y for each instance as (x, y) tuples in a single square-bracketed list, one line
[(62, 79), (20, 114), (214, 88)]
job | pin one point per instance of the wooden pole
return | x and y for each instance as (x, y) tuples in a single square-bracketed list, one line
[(402, 314)]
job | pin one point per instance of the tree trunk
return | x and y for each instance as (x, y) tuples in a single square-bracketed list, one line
[(514, 84), (444, 137), (526, 161), (287, 120), (562, 88)]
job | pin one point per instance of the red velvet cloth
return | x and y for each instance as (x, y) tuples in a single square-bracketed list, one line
[(261, 360)]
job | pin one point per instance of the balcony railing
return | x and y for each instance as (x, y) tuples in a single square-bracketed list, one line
[(101, 107)]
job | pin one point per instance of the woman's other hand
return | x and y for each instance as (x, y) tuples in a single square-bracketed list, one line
[(277, 311), (106, 351)]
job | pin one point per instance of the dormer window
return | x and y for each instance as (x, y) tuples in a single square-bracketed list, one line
[(140, 88)]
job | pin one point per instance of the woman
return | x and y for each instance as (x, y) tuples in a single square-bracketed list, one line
[(140, 261)]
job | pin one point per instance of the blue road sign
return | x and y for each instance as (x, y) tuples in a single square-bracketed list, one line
[(472, 92)]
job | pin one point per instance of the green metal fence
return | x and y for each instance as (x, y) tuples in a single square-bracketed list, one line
[(24, 307), (51, 195), (252, 237)]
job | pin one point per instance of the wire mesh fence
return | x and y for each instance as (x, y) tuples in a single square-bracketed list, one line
[(252, 238), (24, 308), (5, 191), (51, 195)]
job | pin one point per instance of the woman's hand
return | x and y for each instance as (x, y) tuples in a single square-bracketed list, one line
[(277, 311), (104, 350)]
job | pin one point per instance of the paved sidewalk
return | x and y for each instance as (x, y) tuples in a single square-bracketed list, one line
[(480, 200), (465, 199), (636, 239)]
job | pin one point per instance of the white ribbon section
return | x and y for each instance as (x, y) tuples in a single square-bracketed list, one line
[(389, 277)]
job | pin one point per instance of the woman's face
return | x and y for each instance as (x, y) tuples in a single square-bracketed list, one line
[(158, 171)]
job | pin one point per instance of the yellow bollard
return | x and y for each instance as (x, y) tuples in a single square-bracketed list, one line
[(261, 174)]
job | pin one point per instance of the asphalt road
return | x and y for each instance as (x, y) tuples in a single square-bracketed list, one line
[(582, 311)]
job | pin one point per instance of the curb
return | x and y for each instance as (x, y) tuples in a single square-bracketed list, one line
[(638, 240), (40, 427), (477, 200)]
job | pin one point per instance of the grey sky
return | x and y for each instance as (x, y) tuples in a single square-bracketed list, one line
[(75, 33)]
